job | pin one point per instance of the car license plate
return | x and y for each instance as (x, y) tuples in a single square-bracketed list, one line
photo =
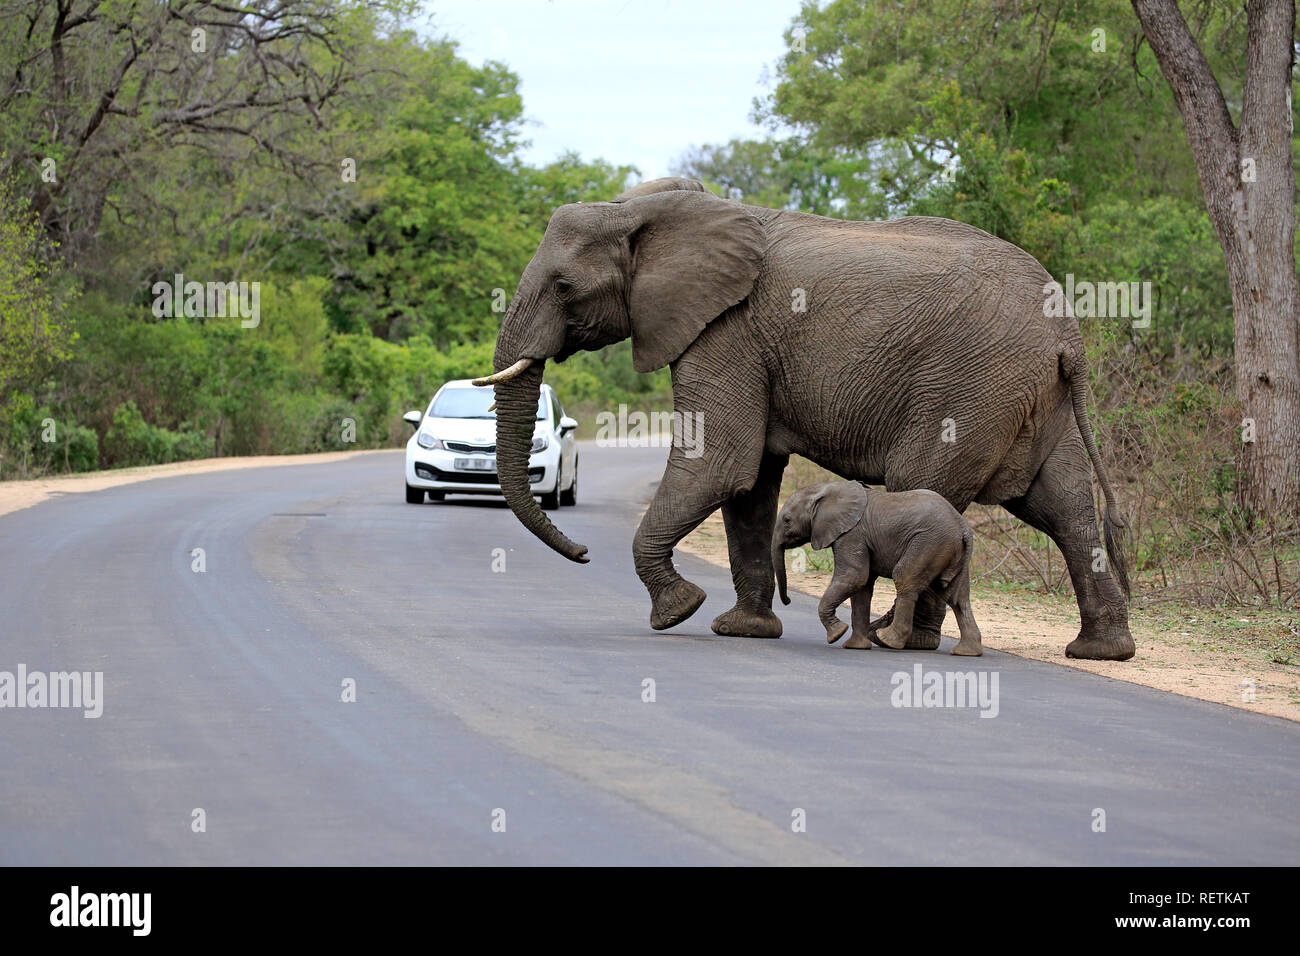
[(476, 464)]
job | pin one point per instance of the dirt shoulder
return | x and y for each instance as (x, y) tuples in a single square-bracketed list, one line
[(15, 495), (1245, 659)]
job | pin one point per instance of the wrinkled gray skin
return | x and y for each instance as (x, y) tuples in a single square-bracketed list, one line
[(912, 353), (914, 537)]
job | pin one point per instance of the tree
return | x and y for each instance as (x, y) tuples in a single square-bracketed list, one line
[(92, 92), (1248, 181), (436, 227), (797, 173), (32, 335), (1063, 80)]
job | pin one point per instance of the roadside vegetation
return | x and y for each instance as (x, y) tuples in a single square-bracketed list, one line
[(368, 180)]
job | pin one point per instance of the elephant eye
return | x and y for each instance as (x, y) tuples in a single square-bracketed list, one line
[(563, 287)]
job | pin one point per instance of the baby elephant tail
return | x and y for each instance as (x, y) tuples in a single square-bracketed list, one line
[(963, 567)]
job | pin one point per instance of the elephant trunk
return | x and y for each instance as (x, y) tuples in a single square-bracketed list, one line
[(778, 564), (516, 419)]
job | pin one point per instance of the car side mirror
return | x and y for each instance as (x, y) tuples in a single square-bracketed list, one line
[(567, 424), (413, 419)]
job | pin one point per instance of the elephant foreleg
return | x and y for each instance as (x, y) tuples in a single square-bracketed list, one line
[(845, 584), (686, 496), (672, 598), (718, 462), (749, 519), (862, 631)]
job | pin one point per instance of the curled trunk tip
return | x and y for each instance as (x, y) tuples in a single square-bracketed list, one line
[(516, 400)]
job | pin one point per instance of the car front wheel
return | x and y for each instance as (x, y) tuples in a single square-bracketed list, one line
[(552, 501), (414, 496), (570, 497)]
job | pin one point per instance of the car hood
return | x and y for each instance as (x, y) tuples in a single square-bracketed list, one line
[(475, 431)]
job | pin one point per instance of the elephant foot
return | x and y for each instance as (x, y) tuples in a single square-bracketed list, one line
[(892, 637), (675, 604), (1096, 644), (747, 622), (835, 631), (921, 638), (969, 648), (859, 642)]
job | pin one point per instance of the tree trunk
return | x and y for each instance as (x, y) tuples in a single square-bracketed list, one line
[(1249, 187)]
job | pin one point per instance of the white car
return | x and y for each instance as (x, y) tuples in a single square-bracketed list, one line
[(453, 450)]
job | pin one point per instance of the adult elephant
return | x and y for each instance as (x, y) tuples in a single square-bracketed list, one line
[(914, 353)]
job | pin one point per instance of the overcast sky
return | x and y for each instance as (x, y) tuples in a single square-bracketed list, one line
[(630, 81)]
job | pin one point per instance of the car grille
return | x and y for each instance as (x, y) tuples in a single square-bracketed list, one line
[(429, 473), (468, 449)]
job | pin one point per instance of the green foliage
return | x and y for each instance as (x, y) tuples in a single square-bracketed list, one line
[(133, 441), (1169, 242), (437, 227), (568, 179), (33, 334), (795, 173), (386, 218), (38, 442), (1033, 77)]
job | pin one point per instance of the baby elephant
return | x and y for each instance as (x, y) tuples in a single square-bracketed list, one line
[(915, 537)]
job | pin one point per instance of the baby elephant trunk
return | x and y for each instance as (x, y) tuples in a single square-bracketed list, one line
[(778, 564)]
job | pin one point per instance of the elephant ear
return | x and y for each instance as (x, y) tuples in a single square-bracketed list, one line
[(835, 511), (693, 257)]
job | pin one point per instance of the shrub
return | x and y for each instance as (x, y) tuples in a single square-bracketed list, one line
[(133, 441)]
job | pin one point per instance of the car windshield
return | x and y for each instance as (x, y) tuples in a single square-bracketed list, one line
[(472, 403)]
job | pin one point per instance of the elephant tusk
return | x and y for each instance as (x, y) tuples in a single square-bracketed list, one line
[(506, 374), (492, 407)]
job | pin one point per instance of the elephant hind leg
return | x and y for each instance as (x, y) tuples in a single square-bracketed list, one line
[(914, 577), (749, 519), (927, 619), (1059, 503), (972, 641)]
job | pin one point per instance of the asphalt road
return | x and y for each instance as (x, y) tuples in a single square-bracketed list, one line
[(515, 697)]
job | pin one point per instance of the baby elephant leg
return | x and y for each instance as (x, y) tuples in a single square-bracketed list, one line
[(844, 583), (900, 628), (861, 639), (972, 642), (915, 571)]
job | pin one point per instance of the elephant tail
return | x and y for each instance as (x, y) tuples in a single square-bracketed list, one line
[(965, 567), (1072, 368)]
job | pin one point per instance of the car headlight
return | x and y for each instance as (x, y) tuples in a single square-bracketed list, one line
[(539, 443), (425, 440)]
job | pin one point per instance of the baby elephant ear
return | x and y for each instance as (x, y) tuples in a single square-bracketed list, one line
[(693, 256), (838, 509)]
